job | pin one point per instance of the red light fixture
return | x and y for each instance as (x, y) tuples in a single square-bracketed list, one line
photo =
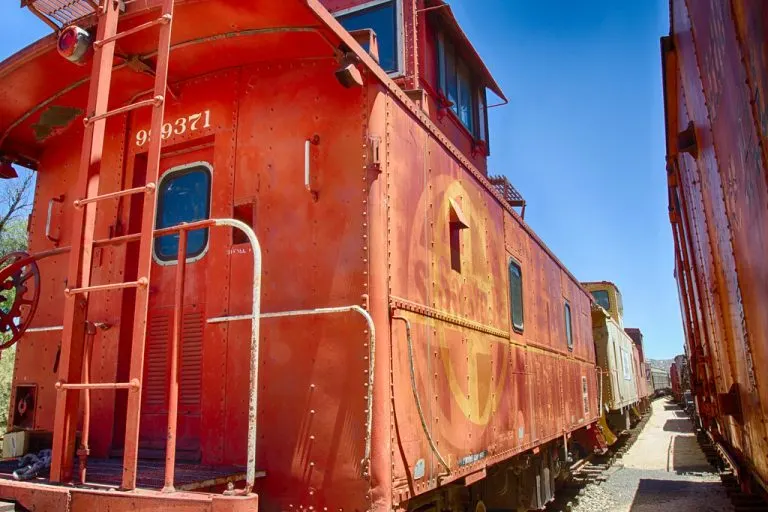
[(75, 44), (7, 172)]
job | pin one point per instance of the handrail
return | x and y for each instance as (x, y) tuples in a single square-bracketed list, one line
[(253, 392), (49, 219), (254, 317), (371, 358), (416, 394)]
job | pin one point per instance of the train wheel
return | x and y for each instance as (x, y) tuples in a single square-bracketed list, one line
[(19, 295)]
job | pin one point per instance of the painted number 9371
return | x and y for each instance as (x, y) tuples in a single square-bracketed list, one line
[(180, 126)]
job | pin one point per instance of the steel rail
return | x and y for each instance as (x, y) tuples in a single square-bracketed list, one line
[(371, 358), (431, 441)]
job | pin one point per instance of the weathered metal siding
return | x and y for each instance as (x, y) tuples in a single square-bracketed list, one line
[(719, 47), (314, 369), (37, 356), (616, 354), (488, 391)]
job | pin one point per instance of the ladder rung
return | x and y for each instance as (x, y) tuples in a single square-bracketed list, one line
[(149, 187), (141, 283), (154, 102), (134, 384), (165, 18)]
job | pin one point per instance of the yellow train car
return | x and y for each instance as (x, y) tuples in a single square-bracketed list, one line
[(618, 359)]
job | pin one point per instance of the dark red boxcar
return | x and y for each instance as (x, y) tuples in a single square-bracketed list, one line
[(715, 79)]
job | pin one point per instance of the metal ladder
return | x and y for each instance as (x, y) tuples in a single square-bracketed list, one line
[(83, 225)]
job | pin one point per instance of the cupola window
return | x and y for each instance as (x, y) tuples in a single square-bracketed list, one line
[(381, 17), (460, 92)]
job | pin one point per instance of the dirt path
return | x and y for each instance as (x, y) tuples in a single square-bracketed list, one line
[(664, 469)]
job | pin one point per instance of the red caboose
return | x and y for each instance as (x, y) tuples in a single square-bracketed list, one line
[(269, 256)]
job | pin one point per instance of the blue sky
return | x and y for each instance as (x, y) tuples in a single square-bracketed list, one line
[(583, 141), (582, 137)]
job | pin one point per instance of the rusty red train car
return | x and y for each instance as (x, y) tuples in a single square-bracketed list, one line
[(715, 78), (269, 269), (674, 380)]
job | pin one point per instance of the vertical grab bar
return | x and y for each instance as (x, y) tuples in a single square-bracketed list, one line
[(253, 392), (48, 235)]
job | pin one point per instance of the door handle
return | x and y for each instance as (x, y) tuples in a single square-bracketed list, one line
[(48, 220)]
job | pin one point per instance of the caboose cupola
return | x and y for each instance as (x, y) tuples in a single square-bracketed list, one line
[(423, 48)]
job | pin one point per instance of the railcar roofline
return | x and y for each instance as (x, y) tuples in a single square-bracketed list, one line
[(24, 62), (441, 9)]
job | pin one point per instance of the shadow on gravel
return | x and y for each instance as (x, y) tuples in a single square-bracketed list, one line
[(654, 495), (684, 426), (681, 414), (671, 407)]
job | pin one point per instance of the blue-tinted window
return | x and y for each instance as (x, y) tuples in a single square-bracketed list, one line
[(455, 81), (602, 298), (382, 19), (568, 326), (184, 196)]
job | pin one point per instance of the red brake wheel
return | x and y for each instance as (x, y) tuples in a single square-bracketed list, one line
[(19, 295)]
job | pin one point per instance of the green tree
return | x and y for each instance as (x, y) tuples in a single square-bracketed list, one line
[(16, 196)]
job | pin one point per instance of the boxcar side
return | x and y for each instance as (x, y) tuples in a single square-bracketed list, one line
[(715, 103), (494, 387)]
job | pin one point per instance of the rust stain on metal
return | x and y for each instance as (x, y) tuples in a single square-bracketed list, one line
[(54, 120)]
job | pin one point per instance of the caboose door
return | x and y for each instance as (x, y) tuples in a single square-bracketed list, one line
[(183, 195)]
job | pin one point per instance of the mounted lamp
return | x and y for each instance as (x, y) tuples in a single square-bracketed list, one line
[(75, 44), (7, 172)]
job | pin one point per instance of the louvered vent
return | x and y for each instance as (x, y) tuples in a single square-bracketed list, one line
[(190, 385), (191, 364), (156, 362)]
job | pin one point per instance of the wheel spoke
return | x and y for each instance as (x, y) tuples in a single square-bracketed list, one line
[(25, 277), (14, 328)]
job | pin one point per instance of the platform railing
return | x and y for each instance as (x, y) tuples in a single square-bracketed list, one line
[(173, 385), (183, 229)]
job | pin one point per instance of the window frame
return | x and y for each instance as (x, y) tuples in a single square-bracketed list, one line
[(182, 169), (626, 357), (399, 30), (568, 321), (478, 96), (517, 328), (607, 294)]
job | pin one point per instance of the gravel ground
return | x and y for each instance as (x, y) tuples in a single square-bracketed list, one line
[(664, 469)]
